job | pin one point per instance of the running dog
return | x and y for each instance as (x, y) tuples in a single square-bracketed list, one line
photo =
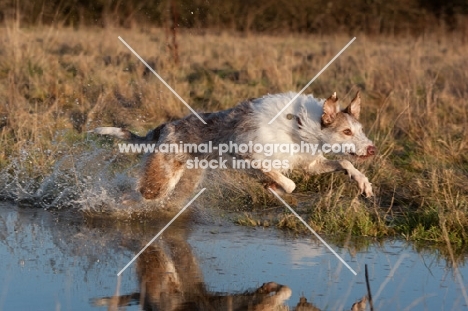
[(307, 121)]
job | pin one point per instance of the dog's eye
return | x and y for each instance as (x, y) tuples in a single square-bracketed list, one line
[(348, 132)]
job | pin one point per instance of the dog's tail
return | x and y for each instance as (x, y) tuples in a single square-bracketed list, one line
[(117, 132)]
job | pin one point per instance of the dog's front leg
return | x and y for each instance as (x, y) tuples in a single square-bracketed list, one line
[(323, 165), (287, 184)]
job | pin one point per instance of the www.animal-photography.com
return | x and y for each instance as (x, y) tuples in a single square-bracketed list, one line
[(233, 155)]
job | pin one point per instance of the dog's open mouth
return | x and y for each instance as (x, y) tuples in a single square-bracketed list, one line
[(363, 157)]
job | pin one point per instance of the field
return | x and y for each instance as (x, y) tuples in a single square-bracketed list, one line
[(57, 83)]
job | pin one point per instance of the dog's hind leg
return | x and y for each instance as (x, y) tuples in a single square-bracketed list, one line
[(160, 176), (188, 182)]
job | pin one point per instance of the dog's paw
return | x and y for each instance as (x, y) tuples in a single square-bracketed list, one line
[(367, 191), (365, 187), (288, 185)]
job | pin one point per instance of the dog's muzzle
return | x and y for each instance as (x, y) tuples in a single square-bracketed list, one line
[(370, 151)]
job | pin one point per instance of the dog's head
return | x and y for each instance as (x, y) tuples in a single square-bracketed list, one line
[(341, 127)]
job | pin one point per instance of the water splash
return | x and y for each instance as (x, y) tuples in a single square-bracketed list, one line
[(92, 180)]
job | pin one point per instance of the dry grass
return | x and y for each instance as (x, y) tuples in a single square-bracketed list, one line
[(58, 83)]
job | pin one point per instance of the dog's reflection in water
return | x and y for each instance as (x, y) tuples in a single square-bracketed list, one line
[(170, 280)]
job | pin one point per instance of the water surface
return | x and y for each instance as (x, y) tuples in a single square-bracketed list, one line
[(61, 261)]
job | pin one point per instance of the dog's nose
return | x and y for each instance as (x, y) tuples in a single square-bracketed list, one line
[(371, 150)]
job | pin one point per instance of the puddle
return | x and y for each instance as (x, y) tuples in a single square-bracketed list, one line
[(60, 261)]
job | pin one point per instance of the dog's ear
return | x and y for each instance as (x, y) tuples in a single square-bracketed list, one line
[(330, 109), (354, 108)]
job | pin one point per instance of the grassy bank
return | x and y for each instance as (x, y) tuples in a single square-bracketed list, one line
[(58, 83)]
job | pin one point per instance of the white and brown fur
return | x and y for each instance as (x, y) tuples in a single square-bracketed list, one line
[(307, 119)]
